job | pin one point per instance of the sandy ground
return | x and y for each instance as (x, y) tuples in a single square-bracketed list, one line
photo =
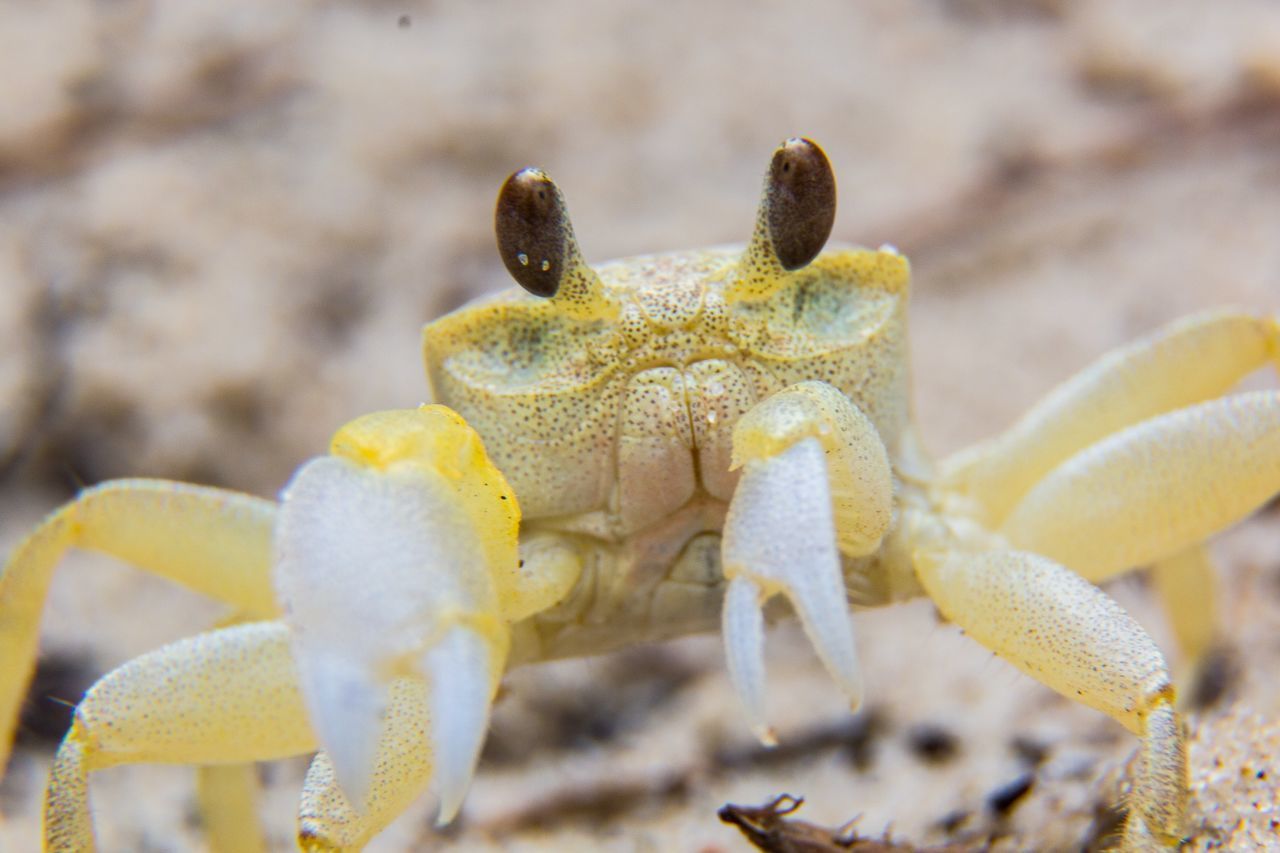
[(222, 224)]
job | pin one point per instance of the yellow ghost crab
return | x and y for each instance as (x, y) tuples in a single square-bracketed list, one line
[(640, 451)]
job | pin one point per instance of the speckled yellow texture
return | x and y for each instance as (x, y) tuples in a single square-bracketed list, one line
[(1111, 506), (544, 389), (226, 696)]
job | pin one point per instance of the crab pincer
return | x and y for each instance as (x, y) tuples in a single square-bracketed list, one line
[(392, 557)]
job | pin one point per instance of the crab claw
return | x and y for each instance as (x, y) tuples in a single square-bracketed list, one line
[(385, 572), (780, 537), (460, 698)]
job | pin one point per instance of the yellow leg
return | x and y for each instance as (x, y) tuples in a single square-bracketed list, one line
[(815, 482), (402, 771), (214, 541), (227, 696), (1066, 633), (1190, 361), (228, 797), (1154, 489), (68, 826), (1187, 586)]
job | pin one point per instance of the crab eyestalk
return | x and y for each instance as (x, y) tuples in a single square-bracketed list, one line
[(797, 211), (537, 245)]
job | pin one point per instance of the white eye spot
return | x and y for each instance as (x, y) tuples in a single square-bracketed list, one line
[(546, 265), (890, 249), (711, 417), (523, 259)]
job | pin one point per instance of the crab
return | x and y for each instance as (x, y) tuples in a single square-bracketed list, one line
[(652, 448)]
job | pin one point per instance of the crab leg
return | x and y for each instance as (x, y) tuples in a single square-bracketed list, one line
[(1187, 586), (214, 541), (226, 696), (1187, 362), (1066, 633), (1154, 489), (227, 795), (816, 482)]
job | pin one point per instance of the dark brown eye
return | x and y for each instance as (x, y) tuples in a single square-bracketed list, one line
[(800, 199), (533, 231)]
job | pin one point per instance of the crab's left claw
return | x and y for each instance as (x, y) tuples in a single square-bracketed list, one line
[(392, 557)]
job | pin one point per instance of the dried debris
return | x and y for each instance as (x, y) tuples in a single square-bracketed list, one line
[(770, 828)]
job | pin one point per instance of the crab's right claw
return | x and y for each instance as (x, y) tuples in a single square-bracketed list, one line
[(390, 557), (815, 482), (779, 538)]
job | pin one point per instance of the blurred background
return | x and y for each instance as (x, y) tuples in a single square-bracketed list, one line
[(222, 225)]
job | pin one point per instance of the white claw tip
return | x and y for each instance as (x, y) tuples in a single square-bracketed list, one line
[(346, 703), (461, 692), (744, 649)]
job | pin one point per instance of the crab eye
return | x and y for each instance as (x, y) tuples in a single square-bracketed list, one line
[(800, 202), (533, 230), (796, 213)]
